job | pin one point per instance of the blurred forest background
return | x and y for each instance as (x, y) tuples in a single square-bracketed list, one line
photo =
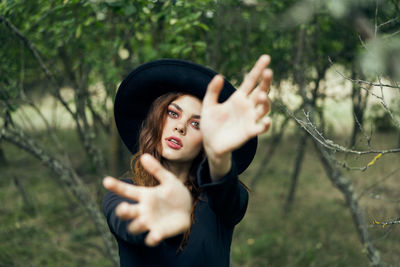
[(325, 181)]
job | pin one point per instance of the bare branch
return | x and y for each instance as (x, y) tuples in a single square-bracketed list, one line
[(387, 22), (391, 35), (367, 137), (79, 116), (390, 222), (385, 106), (344, 185), (370, 187), (311, 128), (362, 81), (376, 18), (36, 55), (68, 176), (268, 155)]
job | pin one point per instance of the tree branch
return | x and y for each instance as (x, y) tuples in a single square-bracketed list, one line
[(311, 128), (68, 176), (344, 185), (36, 55)]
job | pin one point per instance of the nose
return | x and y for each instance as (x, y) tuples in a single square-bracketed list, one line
[(180, 128)]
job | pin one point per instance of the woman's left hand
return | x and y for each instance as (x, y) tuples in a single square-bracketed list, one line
[(163, 210), (229, 125)]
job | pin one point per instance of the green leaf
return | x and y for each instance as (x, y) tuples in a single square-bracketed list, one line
[(203, 26), (78, 31), (129, 10)]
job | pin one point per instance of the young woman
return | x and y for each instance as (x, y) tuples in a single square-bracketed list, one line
[(190, 143)]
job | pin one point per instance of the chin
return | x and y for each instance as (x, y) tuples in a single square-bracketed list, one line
[(176, 156), (172, 155)]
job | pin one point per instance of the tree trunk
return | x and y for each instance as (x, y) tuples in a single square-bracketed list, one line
[(267, 157), (29, 203), (296, 172), (3, 160), (344, 185), (70, 179), (116, 152), (398, 140), (359, 101)]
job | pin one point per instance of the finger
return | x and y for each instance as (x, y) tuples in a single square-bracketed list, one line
[(153, 239), (213, 90), (179, 224), (261, 126), (121, 188), (261, 111), (266, 80), (254, 94), (261, 98), (263, 86), (138, 226), (263, 107), (252, 78), (127, 211), (154, 167)]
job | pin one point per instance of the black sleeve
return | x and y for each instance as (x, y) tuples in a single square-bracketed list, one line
[(117, 226), (226, 196)]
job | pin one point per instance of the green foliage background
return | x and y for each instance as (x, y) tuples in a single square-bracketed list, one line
[(90, 46)]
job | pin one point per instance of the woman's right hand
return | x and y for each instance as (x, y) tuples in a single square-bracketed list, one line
[(163, 210)]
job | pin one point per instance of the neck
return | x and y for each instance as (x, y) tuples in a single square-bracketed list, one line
[(179, 169)]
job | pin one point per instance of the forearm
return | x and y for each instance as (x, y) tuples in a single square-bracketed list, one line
[(219, 165), (226, 196)]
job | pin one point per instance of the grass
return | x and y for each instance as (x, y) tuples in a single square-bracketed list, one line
[(53, 230), (319, 231)]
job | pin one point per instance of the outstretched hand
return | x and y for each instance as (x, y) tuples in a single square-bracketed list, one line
[(227, 126), (163, 210)]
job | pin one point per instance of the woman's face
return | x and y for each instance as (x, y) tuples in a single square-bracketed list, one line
[(181, 138)]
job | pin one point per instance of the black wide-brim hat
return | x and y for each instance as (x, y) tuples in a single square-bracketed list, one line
[(147, 82)]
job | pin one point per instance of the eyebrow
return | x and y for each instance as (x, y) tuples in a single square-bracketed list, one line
[(180, 109)]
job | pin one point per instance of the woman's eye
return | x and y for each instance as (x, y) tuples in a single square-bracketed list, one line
[(173, 114), (196, 124)]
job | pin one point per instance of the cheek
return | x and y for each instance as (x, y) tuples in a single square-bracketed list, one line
[(166, 125), (197, 140)]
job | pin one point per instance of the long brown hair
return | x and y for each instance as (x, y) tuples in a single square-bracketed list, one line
[(150, 142)]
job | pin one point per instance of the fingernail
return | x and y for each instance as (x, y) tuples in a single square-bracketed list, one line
[(264, 95), (156, 237), (121, 208), (145, 156), (268, 72), (107, 181), (219, 77), (265, 57)]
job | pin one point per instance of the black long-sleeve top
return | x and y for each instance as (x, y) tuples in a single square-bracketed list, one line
[(222, 205)]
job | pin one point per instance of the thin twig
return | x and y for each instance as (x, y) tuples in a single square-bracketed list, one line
[(385, 106), (362, 81), (317, 135), (387, 22), (366, 190), (391, 35), (43, 66), (390, 222), (363, 131)]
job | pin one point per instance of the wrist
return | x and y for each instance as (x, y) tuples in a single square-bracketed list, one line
[(219, 165)]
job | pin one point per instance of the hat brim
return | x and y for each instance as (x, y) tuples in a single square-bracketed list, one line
[(149, 81)]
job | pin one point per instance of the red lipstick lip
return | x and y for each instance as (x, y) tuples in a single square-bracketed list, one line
[(178, 140)]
